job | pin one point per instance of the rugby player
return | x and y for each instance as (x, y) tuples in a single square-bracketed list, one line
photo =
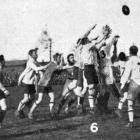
[(27, 79), (70, 84), (107, 80), (121, 65), (4, 93), (132, 73), (45, 87)]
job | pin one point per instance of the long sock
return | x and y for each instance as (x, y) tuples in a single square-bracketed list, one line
[(130, 110), (91, 102), (120, 105), (122, 100), (34, 106), (20, 106), (51, 104), (78, 100), (131, 115)]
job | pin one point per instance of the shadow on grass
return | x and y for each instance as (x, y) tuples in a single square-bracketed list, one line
[(67, 127)]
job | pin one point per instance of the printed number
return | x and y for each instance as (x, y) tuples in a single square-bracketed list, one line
[(94, 127)]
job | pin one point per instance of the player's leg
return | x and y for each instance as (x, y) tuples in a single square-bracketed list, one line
[(91, 97), (3, 110), (51, 103), (133, 91), (120, 104), (65, 93), (80, 91), (35, 105), (31, 92), (19, 111), (30, 100), (92, 81)]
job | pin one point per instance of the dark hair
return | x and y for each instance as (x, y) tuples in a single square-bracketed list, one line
[(133, 50), (122, 56), (71, 54), (2, 58), (83, 41), (31, 51), (56, 55)]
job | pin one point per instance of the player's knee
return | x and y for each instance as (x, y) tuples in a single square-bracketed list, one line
[(38, 101), (4, 107), (24, 100), (51, 95), (130, 105), (91, 90)]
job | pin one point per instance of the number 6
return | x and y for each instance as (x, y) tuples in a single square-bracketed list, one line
[(94, 127)]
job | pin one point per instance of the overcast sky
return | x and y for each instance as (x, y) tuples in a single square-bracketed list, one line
[(23, 20)]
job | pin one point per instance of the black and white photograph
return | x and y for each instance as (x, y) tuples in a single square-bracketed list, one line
[(69, 70)]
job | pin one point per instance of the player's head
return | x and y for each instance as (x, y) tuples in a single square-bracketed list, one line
[(122, 56), (2, 62), (57, 58), (106, 31), (133, 50), (33, 53), (70, 59), (102, 54)]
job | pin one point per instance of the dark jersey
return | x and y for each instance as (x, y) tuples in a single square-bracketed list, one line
[(72, 73)]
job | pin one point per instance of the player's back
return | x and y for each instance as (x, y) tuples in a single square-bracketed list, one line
[(135, 67)]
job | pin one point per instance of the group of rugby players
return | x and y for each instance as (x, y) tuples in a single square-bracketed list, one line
[(89, 69)]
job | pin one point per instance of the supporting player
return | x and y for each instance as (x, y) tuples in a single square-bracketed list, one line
[(121, 65), (4, 93), (132, 73), (45, 87), (70, 84), (27, 79)]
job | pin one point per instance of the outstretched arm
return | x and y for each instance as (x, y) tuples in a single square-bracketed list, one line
[(114, 56), (85, 35)]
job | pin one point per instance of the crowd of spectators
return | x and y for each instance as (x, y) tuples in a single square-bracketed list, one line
[(58, 78)]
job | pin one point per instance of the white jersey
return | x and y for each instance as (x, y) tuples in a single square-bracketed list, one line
[(77, 57), (89, 54), (132, 70), (28, 76)]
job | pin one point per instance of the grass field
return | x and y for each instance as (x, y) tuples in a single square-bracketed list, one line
[(66, 127)]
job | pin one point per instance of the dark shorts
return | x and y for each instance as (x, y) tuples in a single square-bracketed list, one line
[(126, 87), (80, 78), (29, 89), (2, 95), (90, 74), (42, 89)]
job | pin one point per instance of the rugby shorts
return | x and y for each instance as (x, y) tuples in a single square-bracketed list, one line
[(2, 95), (90, 74), (29, 89), (43, 89)]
